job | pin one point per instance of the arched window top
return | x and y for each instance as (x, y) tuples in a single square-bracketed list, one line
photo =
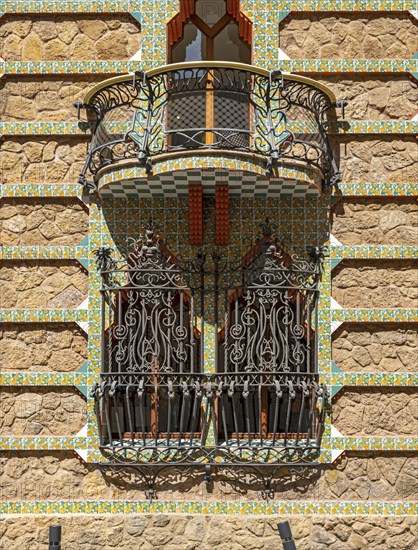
[(206, 30)]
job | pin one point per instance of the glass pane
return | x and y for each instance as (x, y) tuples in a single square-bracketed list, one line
[(210, 11), (229, 47), (192, 46)]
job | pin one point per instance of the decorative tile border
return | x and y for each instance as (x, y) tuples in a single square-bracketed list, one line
[(373, 251), (375, 443), (370, 189), (45, 379), (374, 379), (376, 127), (374, 315), (42, 443), (43, 316), (44, 252), (292, 65), (48, 128), (278, 508), (80, 6), (41, 190), (343, 127), (110, 6)]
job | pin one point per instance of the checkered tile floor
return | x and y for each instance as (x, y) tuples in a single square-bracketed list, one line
[(240, 184)]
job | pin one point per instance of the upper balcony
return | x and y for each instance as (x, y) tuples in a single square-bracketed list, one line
[(273, 125)]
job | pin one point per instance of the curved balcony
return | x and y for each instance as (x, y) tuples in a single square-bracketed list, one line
[(210, 109)]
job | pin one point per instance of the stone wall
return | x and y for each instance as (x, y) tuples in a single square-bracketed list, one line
[(42, 283), (376, 284), (391, 221), (376, 411), (42, 221), (375, 348), (383, 98), (40, 159), (43, 98), (63, 37), (42, 347), (41, 411), (35, 98), (205, 532), (388, 158), (61, 476), (313, 35)]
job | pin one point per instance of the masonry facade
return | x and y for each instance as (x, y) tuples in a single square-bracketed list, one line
[(207, 189)]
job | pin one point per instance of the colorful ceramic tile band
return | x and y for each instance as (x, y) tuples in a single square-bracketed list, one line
[(249, 6), (295, 66), (373, 189), (73, 128), (270, 508), (373, 251), (41, 190), (43, 252)]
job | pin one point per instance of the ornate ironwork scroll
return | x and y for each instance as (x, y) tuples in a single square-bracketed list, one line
[(155, 403), (212, 108)]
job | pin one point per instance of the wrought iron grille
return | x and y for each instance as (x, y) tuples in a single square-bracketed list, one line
[(160, 402), (212, 107)]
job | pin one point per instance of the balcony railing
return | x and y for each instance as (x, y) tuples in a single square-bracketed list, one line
[(261, 401), (230, 418), (210, 107)]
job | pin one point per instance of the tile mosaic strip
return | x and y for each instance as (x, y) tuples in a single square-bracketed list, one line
[(43, 252), (44, 128), (373, 379), (80, 6), (376, 189), (42, 443), (111, 6), (343, 127), (376, 127), (374, 315), (375, 443), (291, 65), (73, 128), (282, 508), (373, 251), (45, 379), (41, 190), (43, 316)]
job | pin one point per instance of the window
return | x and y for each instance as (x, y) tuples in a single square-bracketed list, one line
[(211, 34), (155, 393)]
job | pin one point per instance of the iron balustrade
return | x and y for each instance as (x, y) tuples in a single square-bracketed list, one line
[(233, 418), (157, 402), (213, 106)]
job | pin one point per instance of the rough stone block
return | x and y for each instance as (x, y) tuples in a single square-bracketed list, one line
[(376, 284), (42, 160), (42, 221), (376, 412), (42, 283), (41, 411), (69, 36), (39, 347), (313, 35), (380, 220)]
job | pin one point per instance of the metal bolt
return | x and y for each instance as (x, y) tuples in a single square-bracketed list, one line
[(55, 537), (286, 536)]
